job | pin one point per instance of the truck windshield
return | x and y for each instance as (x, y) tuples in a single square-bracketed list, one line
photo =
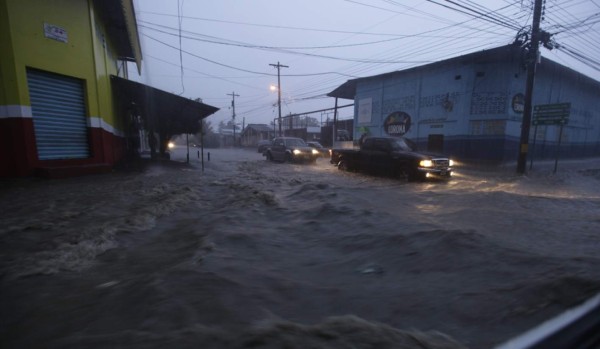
[(295, 142), (401, 144)]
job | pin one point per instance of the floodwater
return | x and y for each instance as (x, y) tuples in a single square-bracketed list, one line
[(254, 254)]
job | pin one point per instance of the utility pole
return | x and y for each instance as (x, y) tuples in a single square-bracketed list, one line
[(233, 95), (531, 65), (279, 66)]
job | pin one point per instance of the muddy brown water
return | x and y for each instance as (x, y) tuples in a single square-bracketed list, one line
[(254, 254)]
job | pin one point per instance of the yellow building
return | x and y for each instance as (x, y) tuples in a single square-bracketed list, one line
[(66, 105)]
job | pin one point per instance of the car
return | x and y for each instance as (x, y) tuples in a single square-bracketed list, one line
[(263, 145), (290, 149), (324, 152)]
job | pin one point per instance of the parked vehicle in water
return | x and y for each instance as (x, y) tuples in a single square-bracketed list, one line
[(263, 145), (324, 152), (392, 156), (290, 149)]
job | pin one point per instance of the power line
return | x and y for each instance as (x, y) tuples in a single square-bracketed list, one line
[(247, 45), (273, 26)]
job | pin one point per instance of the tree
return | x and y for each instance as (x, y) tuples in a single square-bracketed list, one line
[(309, 121), (209, 137)]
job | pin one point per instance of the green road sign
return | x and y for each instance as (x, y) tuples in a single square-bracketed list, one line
[(551, 114)]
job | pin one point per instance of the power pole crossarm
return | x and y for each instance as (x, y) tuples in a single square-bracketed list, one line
[(279, 66)]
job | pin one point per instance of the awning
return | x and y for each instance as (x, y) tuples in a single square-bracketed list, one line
[(161, 111), (346, 90)]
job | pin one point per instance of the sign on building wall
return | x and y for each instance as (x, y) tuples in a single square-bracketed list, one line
[(551, 114), (390, 105), (486, 103), (518, 103), (55, 32), (397, 124), (487, 127), (365, 110)]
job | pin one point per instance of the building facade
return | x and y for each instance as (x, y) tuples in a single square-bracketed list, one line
[(65, 100), (55, 98), (253, 133), (471, 106)]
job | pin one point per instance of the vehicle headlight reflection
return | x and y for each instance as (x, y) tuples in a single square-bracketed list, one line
[(451, 163)]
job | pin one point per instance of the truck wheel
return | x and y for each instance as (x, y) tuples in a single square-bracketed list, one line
[(288, 158), (269, 156), (343, 166), (416, 176)]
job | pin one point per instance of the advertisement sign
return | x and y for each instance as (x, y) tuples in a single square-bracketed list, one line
[(365, 108), (518, 103), (397, 124)]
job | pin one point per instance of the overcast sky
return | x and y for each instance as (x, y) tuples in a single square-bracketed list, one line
[(210, 49)]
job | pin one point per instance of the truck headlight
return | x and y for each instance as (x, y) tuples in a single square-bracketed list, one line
[(426, 163), (450, 162), (315, 151), (297, 151)]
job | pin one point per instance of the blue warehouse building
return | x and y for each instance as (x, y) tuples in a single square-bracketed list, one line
[(471, 107)]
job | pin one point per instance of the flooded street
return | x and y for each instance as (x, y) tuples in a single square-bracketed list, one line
[(255, 254)]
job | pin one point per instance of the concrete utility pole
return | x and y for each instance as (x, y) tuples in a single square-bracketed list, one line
[(531, 65), (233, 95), (279, 66)]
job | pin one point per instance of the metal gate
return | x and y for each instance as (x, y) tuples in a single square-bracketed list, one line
[(59, 115)]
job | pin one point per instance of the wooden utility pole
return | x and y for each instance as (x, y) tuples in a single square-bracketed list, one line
[(233, 95), (279, 66), (334, 127), (531, 65)]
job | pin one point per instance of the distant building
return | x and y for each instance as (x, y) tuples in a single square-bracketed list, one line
[(230, 135), (256, 132), (472, 106), (309, 133), (344, 132), (66, 104)]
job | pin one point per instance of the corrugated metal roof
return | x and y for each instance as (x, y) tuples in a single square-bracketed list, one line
[(260, 127), (499, 54), (159, 107)]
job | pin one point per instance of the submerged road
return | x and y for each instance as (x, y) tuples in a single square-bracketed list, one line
[(251, 253)]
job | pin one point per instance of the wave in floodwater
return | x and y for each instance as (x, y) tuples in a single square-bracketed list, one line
[(80, 221), (333, 333), (254, 254)]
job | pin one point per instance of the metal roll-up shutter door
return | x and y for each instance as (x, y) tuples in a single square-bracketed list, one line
[(59, 115)]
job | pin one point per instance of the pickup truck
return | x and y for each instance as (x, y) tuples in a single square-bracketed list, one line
[(392, 156)]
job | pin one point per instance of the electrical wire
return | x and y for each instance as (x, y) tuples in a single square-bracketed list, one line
[(452, 41)]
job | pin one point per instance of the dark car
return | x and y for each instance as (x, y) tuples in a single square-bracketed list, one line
[(263, 145), (291, 149), (324, 152)]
